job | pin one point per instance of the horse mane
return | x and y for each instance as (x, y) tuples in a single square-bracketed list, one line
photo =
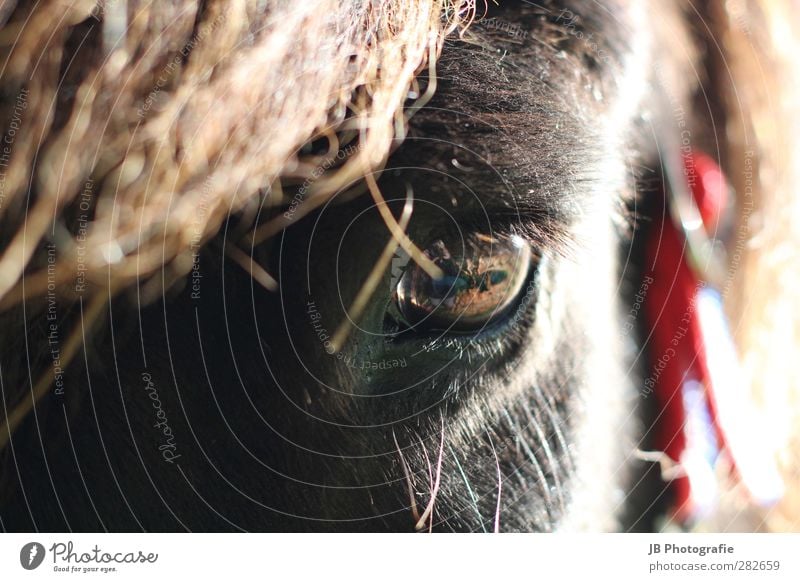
[(124, 114), (135, 129)]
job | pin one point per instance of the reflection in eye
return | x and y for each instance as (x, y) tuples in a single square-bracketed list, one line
[(483, 276)]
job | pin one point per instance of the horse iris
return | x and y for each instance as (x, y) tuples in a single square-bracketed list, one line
[(483, 275)]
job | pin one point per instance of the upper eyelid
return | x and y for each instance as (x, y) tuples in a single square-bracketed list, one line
[(543, 232)]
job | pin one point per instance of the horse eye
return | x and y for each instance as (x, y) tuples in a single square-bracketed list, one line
[(483, 277)]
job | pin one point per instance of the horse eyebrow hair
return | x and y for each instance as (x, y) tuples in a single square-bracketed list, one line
[(542, 199), (540, 229), (535, 218), (512, 201)]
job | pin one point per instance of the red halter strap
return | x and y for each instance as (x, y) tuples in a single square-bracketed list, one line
[(693, 362)]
